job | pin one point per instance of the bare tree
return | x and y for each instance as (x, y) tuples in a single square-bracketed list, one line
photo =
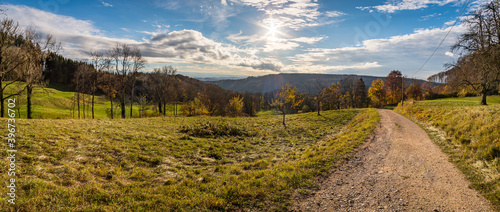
[(83, 80), (107, 82), (38, 47), (161, 84), (99, 62), (121, 56), (138, 63), (478, 66), (320, 87), (126, 62), (11, 58)]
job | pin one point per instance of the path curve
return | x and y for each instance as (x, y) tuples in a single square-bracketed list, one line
[(400, 169)]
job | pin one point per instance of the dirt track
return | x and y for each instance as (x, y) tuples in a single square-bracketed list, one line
[(400, 169)]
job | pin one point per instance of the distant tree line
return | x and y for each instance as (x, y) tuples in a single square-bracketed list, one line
[(117, 75)]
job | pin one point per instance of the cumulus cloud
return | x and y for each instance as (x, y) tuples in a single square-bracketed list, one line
[(187, 44), (265, 64), (79, 37)]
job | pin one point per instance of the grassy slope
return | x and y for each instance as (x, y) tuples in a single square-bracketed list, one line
[(57, 103), (148, 164), (472, 137)]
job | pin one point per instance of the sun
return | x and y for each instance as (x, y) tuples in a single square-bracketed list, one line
[(272, 30)]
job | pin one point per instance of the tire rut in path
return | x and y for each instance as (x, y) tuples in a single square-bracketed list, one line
[(400, 169)]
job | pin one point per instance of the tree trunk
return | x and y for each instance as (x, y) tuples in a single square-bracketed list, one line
[(112, 114), (132, 99), (83, 104), (160, 108), (164, 109), (483, 98), (93, 105), (29, 90), (284, 120), (2, 106), (78, 103), (319, 107), (122, 104)]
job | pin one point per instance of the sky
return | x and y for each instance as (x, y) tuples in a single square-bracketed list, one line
[(228, 38)]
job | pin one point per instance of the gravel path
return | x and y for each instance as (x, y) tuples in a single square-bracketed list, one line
[(400, 169)]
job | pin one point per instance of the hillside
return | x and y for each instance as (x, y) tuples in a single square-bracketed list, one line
[(305, 83), (58, 101)]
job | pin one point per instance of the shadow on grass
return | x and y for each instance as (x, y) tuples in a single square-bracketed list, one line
[(60, 87)]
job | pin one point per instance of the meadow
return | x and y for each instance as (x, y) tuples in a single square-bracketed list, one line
[(57, 102), (469, 133), (177, 163)]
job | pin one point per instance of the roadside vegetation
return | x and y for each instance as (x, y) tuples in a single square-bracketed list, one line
[(179, 163), (469, 133)]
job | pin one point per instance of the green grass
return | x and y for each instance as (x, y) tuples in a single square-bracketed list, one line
[(56, 102), (462, 101), (469, 133), (153, 164)]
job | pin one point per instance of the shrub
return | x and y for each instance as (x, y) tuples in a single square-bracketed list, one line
[(217, 129)]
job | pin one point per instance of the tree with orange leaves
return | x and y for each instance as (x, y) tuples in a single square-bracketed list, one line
[(286, 100)]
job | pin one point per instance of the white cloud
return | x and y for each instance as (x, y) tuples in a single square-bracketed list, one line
[(265, 64), (293, 14), (106, 4), (334, 14), (77, 36), (449, 54), (449, 23), (408, 5), (273, 44), (309, 40), (187, 46), (403, 52), (48, 22), (250, 53), (270, 43), (427, 17)]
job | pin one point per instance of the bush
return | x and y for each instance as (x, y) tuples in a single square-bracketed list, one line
[(218, 129), (306, 109)]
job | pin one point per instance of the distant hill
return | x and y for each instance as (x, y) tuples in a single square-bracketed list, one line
[(305, 83)]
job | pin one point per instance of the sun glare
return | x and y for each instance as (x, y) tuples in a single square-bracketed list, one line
[(272, 30)]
